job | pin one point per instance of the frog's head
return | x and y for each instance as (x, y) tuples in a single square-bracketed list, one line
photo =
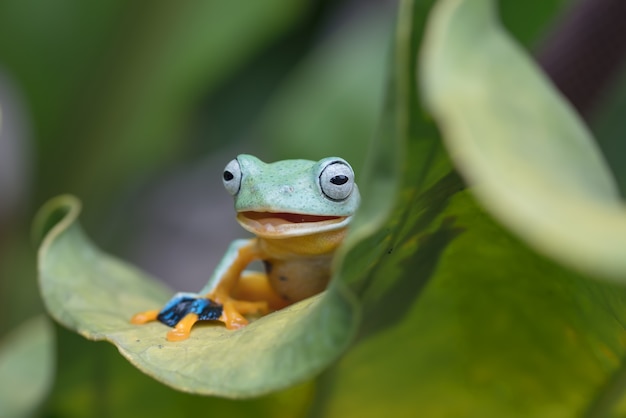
[(291, 197)]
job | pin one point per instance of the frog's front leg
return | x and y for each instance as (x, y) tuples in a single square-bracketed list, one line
[(226, 277), (215, 301)]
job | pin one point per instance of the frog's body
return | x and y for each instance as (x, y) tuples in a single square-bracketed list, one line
[(299, 267), (299, 211)]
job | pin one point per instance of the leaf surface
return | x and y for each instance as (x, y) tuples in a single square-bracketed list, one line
[(530, 159), (96, 295), (27, 366), (461, 318)]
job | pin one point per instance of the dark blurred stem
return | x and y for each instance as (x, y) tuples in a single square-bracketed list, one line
[(608, 396), (586, 50), (100, 384)]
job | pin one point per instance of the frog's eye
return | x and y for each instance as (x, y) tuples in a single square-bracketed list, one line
[(337, 180), (232, 177)]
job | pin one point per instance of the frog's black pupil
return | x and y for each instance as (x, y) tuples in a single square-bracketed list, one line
[(228, 176), (339, 180)]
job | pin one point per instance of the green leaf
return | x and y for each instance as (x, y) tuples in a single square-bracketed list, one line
[(126, 75), (610, 128), (26, 367), (164, 66), (94, 377), (532, 162), (530, 20), (496, 331), (96, 295), (329, 104), (460, 318)]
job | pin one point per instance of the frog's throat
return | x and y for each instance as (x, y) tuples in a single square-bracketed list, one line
[(285, 225)]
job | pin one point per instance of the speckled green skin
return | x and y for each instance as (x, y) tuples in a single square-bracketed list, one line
[(288, 186)]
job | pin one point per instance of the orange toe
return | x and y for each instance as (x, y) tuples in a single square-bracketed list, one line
[(144, 317), (182, 330), (232, 318)]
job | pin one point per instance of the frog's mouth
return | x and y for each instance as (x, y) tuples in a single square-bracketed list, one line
[(284, 224)]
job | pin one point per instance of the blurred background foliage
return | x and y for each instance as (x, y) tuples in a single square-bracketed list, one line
[(135, 107)]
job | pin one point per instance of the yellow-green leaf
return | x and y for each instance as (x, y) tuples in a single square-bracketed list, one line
[(530, 160), (27, 366), (94, 294)]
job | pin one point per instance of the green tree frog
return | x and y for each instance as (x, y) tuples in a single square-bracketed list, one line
[(298, 211)]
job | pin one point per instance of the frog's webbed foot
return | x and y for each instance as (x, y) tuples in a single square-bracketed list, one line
[(185, 309), (181, 312)]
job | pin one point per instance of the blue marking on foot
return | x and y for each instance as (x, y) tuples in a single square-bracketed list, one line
[(206, 309), (179, 306)]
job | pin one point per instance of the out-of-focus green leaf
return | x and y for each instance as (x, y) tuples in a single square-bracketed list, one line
[(50, 51), (96, 295), (532, 162), (181, 51), (26, 367), (459, 317), (610, 129), (529, 21), (330, 103), (116, 81), (94, 377), (498, 331)]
